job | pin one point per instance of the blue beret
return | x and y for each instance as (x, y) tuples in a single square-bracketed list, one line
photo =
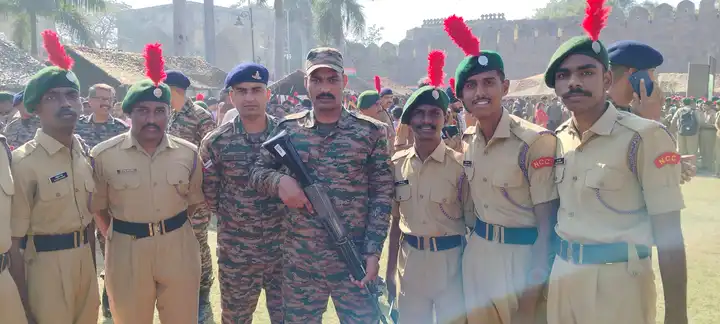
[(18, 98), (247, 72), (634, 54), (177, 79), (385, 92)]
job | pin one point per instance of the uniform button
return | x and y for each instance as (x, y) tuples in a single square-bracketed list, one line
[(484, 179), (154, 184), (57, 194), (574, 178), (182, 181), (445, 200), (77, 190), (571, 214), (125, 186), (485, 153), (485, 206), (421, 196)]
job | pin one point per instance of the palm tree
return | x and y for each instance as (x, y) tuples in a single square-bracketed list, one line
[(334, 19), (69, 13), (209, 31)]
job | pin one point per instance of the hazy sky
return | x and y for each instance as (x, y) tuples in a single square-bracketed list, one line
[(397, 16)]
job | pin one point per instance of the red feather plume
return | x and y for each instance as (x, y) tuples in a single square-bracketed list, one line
[(462, 35), (56, 52), (377, 84), (436, 63), (596, 15), (199, 97), (154, 63), (452, 85)]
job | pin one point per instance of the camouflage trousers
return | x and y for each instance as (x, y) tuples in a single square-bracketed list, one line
[(306, 292), (245, 266), (200, 222)]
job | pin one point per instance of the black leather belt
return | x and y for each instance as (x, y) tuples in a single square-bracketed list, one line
[(4, 261), (143, 230), (434, 244), (506, 235), (597, 253), (57, 242)]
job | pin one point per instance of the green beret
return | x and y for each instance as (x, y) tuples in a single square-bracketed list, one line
[(367, 99), (201, 104), (713, 99), (145, 91), (473, 65), (48, 78), (6, 96), (687, 101), (427, 95), (576, 45)]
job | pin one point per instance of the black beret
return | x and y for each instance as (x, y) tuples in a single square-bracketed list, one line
[(634, 54), (177, 79)]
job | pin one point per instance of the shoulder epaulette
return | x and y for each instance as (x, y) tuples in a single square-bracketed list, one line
[(85, 148), (527, 131), (634, 122), (214, 134), (374, 122), (182, 142), (400, 154), (121, 122), (455, 155), (470, 130), (296, 115), (104, 145), (19, 153), (563, 126)]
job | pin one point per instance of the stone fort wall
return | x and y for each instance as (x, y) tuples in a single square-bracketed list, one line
[(685, 34)]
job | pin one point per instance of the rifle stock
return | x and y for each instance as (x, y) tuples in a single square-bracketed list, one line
[(283, 150)]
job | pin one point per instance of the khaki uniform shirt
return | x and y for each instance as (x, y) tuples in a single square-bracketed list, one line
[(8, 189), (53, 187), (429, 194), (504, 193), (601, 199), (137, 187)]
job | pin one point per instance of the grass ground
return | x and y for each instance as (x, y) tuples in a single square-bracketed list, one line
[(701, 227)]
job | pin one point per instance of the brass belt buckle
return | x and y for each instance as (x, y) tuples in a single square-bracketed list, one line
[(433, 244), (81, 237), (487, 232), (156, 228)]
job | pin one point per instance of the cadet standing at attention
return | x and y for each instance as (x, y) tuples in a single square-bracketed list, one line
[(11, 306), (192, 123), (250, 225), (507, 258), (347, 153), (148, 184), (428, 232), (21, 129), (50, 219), (618, 177)]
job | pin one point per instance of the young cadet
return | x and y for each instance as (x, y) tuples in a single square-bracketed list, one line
[(618, 178), (50, 218), (149, 183), (509, 164), (428, 224)]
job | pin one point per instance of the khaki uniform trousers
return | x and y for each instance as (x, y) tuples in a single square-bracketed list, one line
[(707, 147), (688, 144), (494, 275), (11, 308), (601, 294), (163, 268), (62, 286), (430, 279)]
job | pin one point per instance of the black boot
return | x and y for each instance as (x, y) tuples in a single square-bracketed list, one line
[(105, 304), (205, 314)]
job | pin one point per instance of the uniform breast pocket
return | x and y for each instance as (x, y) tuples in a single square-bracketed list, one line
[(445, 195), (606, 186), (511, 185), (125, 181), (178, 176), (403, 191), (49, 190), (8, 188)]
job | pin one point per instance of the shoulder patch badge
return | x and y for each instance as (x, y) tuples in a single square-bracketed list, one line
[(667, 158), (543, 162)]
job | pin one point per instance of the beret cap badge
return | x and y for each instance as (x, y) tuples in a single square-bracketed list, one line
[(482, 60), (596, 47), (256, 76), (436, 94), (71, 77), (157, 92)]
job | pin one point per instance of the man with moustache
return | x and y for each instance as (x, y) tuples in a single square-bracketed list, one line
[(192, 123), (506, 260), (94, 128), (249, 227), (428, 234), (148, 183), (369, 105), (618, 178), (50, 220), (23, 127), (348, 154)]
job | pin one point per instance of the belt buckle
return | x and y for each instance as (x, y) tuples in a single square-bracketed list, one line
[(155, 228), (421, 243), (433, 244), (487, 232)]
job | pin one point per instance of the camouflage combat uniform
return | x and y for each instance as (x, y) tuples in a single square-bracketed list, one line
[(249, 227), (351, 159), (5, 119), (192, 123), (20, 130)]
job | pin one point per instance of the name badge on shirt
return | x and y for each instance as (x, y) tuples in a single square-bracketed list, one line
[(121, 171), (402, 183), (467, 163), (58, 177), (559, 161)]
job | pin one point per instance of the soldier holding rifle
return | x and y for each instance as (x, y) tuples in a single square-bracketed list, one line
[(347, 154)]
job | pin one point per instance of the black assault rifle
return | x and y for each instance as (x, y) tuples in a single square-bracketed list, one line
[(284, 152)]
